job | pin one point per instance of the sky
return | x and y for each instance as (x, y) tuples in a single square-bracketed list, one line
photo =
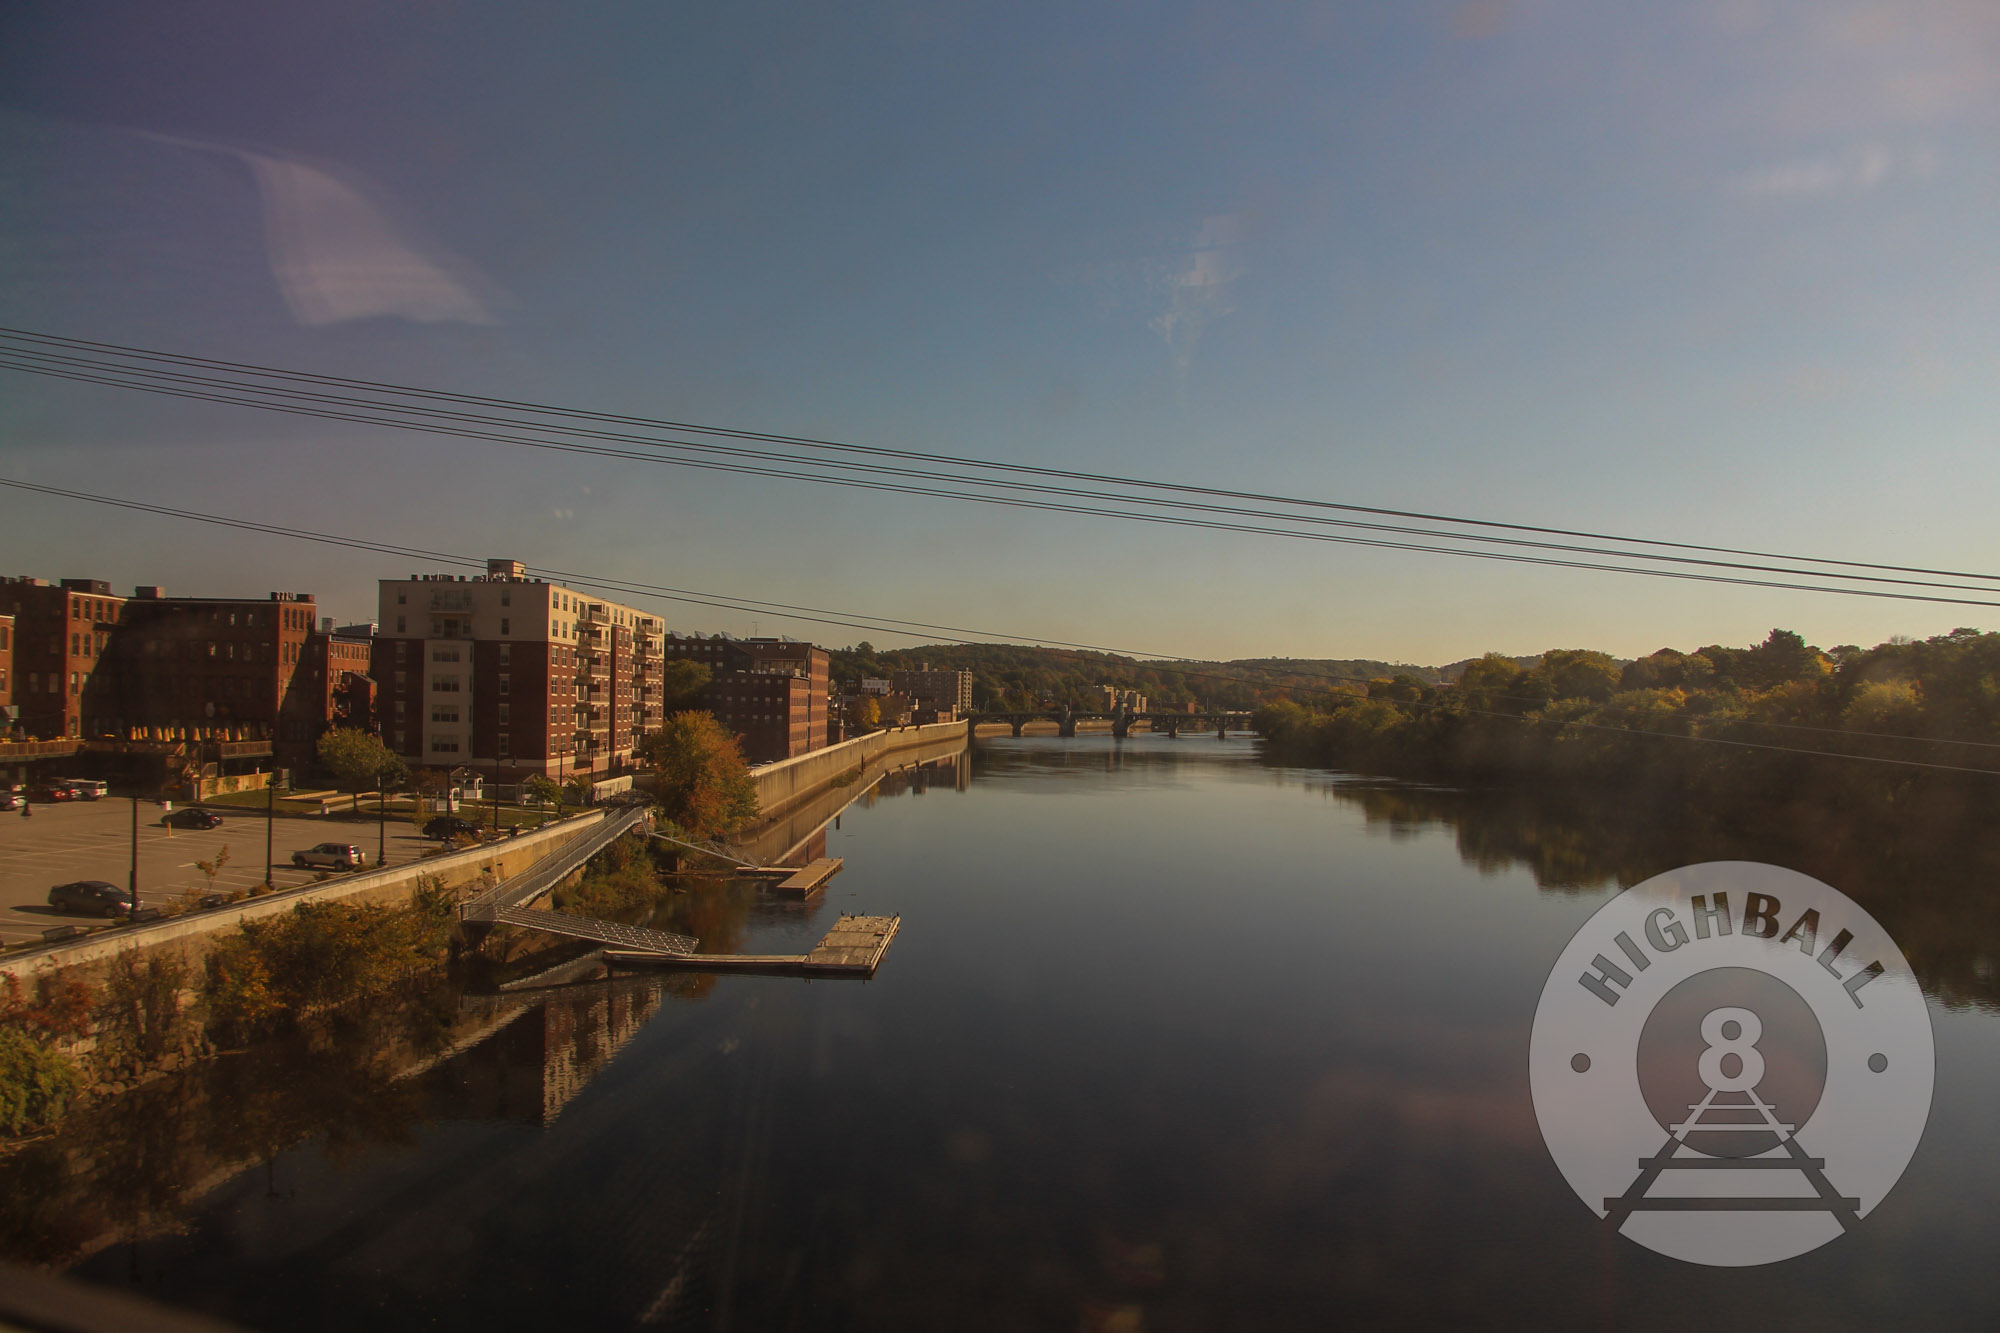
[(1720, 272)]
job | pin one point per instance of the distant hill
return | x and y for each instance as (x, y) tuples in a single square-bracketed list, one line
[(1009, 675)]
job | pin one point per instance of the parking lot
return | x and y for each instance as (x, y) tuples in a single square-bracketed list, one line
[(93, 840)]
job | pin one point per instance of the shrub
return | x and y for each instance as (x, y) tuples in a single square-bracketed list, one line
[(320, 956), (141, 1010), (36, 1083)]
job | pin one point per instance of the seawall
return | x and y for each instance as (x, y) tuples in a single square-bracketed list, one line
[(788, 782)]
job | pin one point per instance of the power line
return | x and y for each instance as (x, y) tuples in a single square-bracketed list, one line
[(570, 446), (121, 376), (719, 601), (807, 442), (817, 615)]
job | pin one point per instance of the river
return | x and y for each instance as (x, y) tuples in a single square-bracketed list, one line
[(1170, 1039)]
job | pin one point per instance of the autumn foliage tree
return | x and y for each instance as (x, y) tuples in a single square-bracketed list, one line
[(704, 787)]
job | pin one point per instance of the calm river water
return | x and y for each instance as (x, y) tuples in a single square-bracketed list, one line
[(1171, 1039)]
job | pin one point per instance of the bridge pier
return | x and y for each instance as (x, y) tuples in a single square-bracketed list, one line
[(1222, 729), (1066, 724), (1121, 723), (1018, 724)]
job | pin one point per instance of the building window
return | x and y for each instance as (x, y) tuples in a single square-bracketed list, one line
[(444, 684), (506, 684), (34, 682), (444, 654), (506, 597), (444, 715), (73, 683), (506, 653), (401, 625), (402, 678), (399, 710), (400, 739), (506, 625), (506, 746), (439, 745), (402, 599), (506, 714)]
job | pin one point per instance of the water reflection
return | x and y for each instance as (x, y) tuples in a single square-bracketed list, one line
[(1930, 885), (1194, 1046)]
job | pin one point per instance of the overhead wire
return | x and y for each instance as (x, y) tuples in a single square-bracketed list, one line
[(811, 442), (283, 399), (1173, 666)]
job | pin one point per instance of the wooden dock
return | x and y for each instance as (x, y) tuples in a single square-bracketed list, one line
[(811, 878), (853, 948)]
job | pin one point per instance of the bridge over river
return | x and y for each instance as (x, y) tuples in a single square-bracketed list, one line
[(1121, 720)]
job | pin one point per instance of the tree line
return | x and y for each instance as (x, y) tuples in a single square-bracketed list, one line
[(1577, 714)]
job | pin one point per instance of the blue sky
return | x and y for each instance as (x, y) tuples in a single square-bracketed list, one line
[(1719, 272)]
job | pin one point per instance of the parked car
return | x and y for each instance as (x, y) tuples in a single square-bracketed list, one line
[(50, 792), (94, 896), (449, 826), (10, 800), (85, 789), (192, 818), (330, 856)]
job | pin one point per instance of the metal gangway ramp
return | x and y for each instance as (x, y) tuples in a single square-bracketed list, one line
[(507, 903)]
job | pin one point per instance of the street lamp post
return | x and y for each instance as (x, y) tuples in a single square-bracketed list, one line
[(270, 822), (381, 822), (132, 886)]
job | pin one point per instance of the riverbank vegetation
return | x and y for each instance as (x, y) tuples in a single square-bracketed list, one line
[(1902, 716), (702, 785), (147, 1013)]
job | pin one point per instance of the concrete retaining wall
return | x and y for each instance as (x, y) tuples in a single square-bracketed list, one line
[(192, 931), (789, 781)]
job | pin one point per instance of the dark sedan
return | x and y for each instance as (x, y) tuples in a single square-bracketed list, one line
[(450, 826), (192, 818), (92, 896)]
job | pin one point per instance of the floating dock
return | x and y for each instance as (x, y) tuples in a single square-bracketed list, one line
[(810, 878), (853, 948)]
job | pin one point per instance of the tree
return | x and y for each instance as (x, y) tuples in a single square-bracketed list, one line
[(545, 791), (358, 759), (682, 685), (704, 787), (867, 712)]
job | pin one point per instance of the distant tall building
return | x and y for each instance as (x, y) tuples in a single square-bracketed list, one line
[(502, 670), (935, 689), (1115, 699), (771, 693)]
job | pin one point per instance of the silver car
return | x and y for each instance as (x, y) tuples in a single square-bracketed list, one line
[(331, 856)]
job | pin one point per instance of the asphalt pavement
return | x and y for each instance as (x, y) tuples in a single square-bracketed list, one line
[(93, 840)]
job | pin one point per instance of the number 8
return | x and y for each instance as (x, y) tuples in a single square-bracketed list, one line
[(1750, 1061)]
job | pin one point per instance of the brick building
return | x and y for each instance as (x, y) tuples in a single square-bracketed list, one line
[(505, 672), (93, 665), (6, 673), (940, 690), (772, 693), (342, 681)]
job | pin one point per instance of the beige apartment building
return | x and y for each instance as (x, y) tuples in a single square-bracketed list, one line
[(514, 676)]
